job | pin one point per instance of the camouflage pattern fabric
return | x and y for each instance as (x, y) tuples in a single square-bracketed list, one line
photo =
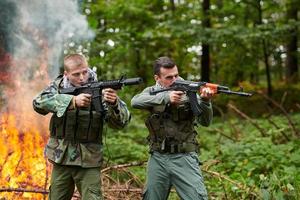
[(65, 152)]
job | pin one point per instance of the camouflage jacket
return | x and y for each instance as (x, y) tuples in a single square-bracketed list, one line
[(66, 152)]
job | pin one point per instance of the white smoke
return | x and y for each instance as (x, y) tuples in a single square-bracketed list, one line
[(34, 33), (48, 24)]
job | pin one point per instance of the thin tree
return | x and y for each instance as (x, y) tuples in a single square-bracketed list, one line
[(291, 48), (205, 60)]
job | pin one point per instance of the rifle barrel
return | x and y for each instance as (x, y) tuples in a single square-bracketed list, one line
[(236, 93), (133, 81)]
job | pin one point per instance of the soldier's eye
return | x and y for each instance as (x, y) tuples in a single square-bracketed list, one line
[(76, 74), (84, 72), (171, 77)]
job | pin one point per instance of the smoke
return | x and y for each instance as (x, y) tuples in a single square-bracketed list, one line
[(33, 37), (44, 24)]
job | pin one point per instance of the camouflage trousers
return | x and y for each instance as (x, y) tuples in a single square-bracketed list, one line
[(178, 170), (64, 179)]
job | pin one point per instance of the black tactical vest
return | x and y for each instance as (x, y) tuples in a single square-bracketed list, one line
[(172, 128), (78, 125)]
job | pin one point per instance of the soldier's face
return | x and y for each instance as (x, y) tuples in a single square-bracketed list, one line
[(77, 75), (167, 76)]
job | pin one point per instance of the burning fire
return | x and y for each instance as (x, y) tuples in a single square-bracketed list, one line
[(24, 170), (26, 54), (22, 165)]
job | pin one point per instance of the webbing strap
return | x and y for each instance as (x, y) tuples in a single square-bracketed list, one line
[(174, 148)]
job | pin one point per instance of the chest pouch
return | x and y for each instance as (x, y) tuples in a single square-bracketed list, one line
[(78, 125)]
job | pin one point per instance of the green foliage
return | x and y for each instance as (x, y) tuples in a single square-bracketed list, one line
[(130, 144), (259, 167), (131, 34), (258, 105), (270, 169)]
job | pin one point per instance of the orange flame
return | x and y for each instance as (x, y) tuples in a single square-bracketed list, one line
[(22, 163), (23, 133)]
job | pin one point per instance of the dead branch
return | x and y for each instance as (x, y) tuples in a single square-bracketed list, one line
[(278, 128), (283, 98), (220, 110), (47, 177), (137, 190), (234, 130), (122, 191), (239, 185), (108, 179), (248, 118), (123, 166), (221, 133), (134, 178), (210, 163), (286, 114), (23, 190)]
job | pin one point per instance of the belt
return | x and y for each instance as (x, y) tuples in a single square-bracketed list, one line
[(174, 148)]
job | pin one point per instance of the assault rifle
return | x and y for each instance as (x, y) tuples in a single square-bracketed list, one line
[(191, 88), (95, 89)]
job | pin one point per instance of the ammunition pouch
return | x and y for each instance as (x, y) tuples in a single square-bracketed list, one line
[(78, 125)]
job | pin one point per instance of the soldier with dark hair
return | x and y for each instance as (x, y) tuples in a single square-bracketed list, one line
[(75, 144), (172, 136)]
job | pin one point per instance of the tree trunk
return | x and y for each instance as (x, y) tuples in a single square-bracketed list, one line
[(205, 61), (291, 48), (265, 51), (268, 73), (172, 3)]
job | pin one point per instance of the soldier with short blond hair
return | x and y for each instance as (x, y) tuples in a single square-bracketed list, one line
[(75, 144)]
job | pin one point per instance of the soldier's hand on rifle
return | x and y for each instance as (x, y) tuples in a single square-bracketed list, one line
[(83, 100), (109, 95), (207, 93), (176, 97)]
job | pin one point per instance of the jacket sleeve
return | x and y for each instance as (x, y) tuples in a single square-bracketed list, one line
[(146, 101), (49, 100), (118, 116)]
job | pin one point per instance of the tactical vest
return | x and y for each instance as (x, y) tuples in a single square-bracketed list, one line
[(172, 130), (77, 125)]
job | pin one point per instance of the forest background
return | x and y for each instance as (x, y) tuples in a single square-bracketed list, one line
[(251, 150)]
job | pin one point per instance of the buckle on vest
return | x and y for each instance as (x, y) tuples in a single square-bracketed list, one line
[(165, 147)]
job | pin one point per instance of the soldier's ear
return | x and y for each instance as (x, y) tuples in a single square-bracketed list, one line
[(156, 77), (66, 74)]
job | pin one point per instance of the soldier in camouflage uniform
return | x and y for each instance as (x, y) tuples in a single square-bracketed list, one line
[(75, 144), (172, 137)]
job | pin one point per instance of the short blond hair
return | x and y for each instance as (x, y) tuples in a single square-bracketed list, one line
[(74, 60)]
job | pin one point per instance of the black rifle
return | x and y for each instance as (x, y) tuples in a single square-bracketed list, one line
[(95, 89), (191, 88)]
